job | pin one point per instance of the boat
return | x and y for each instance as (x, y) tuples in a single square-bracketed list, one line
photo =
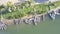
[(57, 11), (52, 15)]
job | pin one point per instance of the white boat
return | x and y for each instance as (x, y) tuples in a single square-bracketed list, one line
[(52, 16)]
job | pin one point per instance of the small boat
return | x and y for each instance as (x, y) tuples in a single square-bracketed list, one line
[(57, 11), (52, 15)]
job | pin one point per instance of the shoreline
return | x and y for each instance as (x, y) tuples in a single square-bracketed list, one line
[(33, 19), (11, 21)]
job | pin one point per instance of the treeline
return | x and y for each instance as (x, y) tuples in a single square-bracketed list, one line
[(26, 8)]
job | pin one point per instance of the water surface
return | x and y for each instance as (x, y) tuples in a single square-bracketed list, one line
[(46, 27)]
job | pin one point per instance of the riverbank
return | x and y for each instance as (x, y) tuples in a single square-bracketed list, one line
[(30, 17), (23, 12)]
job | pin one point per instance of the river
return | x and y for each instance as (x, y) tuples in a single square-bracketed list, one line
[(44, 27)]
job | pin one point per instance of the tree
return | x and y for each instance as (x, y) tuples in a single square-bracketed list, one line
[(2, 6), (49, 5), (9, 4)]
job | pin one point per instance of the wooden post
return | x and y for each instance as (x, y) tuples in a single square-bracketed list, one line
[(43, 17), (38, 19), (34, 20)]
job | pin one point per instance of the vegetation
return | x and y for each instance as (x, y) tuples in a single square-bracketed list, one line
[(25, 8)]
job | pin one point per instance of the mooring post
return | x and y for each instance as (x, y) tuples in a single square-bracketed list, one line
[(14, 21), (43, 17), (39, 18), (35, 20)]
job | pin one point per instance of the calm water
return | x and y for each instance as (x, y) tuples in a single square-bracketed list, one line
[(46, 27)]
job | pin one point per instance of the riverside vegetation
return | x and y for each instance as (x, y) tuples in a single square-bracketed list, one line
[(18, 10)]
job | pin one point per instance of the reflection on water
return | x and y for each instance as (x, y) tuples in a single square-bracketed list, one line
[(46, 27)]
